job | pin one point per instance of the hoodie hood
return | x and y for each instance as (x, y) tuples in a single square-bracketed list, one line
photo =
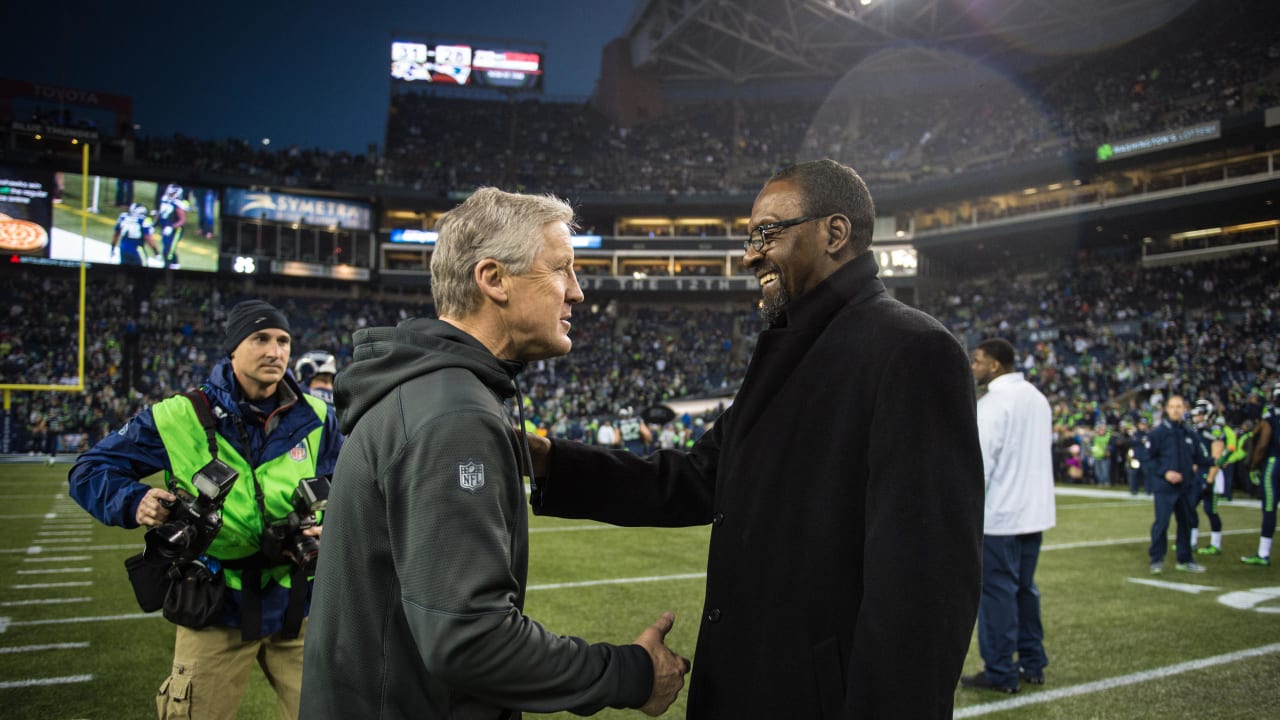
[(386, 357)]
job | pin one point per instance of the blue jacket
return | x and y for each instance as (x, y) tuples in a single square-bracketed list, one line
[(1174, 446), (107, 479), (1138, 443)]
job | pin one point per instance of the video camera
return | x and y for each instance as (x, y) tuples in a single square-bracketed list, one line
[(284, 541), (193, 519)]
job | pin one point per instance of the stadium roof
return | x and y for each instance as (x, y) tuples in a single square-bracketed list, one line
[(743, 41)]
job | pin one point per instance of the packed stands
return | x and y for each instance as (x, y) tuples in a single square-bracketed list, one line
[(1226, 65)]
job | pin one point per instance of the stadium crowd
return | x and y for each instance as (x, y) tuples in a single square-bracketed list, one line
[(1106, 340), (1103, 338), (147, 339), (1223, 68)]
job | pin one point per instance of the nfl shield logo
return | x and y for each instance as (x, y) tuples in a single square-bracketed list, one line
[(471, 476), (299, 452)]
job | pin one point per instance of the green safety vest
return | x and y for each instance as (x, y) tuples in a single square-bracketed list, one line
[(188, 449), (1100, 446)]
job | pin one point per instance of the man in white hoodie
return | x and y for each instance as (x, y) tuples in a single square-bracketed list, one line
[(1015, 429)]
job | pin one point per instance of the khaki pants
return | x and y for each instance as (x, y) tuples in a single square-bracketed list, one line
[(211, 668)]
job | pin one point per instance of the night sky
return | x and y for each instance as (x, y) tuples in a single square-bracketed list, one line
[(313, 74)]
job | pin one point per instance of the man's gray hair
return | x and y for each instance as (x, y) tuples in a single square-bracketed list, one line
[(507, 227)]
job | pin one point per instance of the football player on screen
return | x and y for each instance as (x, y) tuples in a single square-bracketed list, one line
[(172, 216), (133, 230)]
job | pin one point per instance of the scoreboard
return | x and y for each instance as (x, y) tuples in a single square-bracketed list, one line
[(459, 64)]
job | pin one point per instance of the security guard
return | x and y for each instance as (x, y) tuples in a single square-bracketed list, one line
[(274, 435), (1173, 449)]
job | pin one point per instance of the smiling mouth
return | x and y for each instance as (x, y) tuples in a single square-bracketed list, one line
[(768, 278)]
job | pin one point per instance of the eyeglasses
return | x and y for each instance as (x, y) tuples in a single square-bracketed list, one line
[(762, 234)]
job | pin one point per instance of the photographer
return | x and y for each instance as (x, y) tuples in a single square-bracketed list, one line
[(242, 457)]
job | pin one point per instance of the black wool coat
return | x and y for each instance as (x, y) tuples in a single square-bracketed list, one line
[(845, 491)]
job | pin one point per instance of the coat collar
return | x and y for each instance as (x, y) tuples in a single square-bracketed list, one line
[(853, 282)]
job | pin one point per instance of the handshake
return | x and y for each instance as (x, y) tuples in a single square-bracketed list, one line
[(669, 668)]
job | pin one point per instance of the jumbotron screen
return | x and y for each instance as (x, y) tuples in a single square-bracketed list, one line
[(135, 222), (459, 64)]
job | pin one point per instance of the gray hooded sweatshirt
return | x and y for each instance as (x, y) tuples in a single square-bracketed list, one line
[(417, 608)]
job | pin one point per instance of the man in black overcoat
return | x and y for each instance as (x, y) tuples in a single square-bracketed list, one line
[(844, 485)]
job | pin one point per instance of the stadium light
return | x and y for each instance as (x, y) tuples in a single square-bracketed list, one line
[(865, 2)]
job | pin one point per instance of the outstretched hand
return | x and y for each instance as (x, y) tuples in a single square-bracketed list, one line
[(669, 668), (540, 449)]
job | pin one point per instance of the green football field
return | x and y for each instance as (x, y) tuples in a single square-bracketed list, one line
[(1122, 644)]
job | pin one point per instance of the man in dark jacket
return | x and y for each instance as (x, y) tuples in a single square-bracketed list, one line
[(419, 594), (1173, 450), (844, 485)]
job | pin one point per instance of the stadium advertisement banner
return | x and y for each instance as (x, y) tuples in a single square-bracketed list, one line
[(287, 208), (26, 212), (1159, 141), (429, 237), (294, 268), (135, 222), (417, 237), (666, 284)]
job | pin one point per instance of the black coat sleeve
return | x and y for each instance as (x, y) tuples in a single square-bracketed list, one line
[(669, 488), (923, 551)]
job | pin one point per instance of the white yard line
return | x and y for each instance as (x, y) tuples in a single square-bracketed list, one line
[(576, 528), (57, 558), (1119, 503), (51, 571), (1131, 541), (44, 601), (42, 586), (1123, 495), (1115, 682), (65, 680), (618, 581), (63, 621), (42, 648), (37, 549), (4, 498)]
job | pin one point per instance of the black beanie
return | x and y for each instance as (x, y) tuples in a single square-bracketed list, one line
[(248, 317)]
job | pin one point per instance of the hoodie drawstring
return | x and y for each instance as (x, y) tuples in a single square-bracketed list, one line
[(526, 456)]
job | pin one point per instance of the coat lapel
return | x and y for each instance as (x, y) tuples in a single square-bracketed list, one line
[(780, 351)]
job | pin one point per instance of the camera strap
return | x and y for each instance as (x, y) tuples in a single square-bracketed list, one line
[(204, 413)]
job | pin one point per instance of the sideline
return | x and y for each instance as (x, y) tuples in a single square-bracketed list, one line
[(1123, 494), (618, 581), (1115, 682), (1131, 541)]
